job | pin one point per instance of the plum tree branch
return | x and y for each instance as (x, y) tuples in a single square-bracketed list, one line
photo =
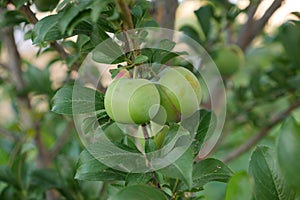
[(27, 12), (165, 11), (9, 134), (62, 140), (125, 14), (261, 134), (15, 68), (253, 27)]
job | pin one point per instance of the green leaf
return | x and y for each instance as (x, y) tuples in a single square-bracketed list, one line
[(288, 148), (166, 44), (19, 3), (37, 80), (7, 176), (45, 179), (209, 170), (90, 169), (108, 52), (204, 15), (289, 36), (181, 168), (136, 179), (11, 18), (191, 32), (140, 59), (207, 124), (83, 100), (269, 184), (138, 192), (47, 29), (239, 186)]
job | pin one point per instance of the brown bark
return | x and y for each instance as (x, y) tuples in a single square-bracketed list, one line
[(165, 12)]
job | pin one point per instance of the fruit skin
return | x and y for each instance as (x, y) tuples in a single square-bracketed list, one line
[(180, 93), (131, 101), (46, 5), (228, 59)]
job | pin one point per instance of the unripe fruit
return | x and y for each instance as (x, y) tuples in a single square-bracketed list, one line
[(133, 101), (45, 5), (228, 59), (180, 93)]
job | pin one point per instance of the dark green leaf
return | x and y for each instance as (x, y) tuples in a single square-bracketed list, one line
[(11, 18), (37, 80), (83, 100), (140, 59), (45, 179), (108, 52), (166, 44), (210, 170), (204, 15), (181, 168), (91, 169), (136, 179), (288, 148), (289, 36), (8, 177), (239, 186), (137, 192), (19, 3), (47, 29), (191, 32), (269, 185)]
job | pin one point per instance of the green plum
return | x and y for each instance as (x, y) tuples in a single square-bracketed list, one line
[(131, 101), (180, 93)]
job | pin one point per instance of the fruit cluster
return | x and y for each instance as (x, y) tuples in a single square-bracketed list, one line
[(175, 96)]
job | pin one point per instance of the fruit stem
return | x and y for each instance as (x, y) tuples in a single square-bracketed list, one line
[(145, 131)]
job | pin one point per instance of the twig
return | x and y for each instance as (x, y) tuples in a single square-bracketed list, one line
[(253, 27), (9, 134), (61, 141), (261, 134), (30, 16), (125, 14)]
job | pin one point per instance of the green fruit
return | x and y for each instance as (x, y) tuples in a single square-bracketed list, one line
[(160, 136), (228, 59), (46, 5), (180, 93), (133, 101), (288, 152)]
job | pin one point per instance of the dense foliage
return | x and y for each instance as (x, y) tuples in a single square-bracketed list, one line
[(42, 157)]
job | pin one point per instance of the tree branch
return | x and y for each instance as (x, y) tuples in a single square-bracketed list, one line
[(165, 11), (253, 27), (9, 134), (125, 14), (61, 141), (27, 12), (261, 134)]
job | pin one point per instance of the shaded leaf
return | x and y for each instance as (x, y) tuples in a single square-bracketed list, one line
[(7, 176), (89, 168), (288, 148), (204, 14), (136, 192), (83, 100), (140, 59), (269, 184), (181, 168), (136, 179), (209, 170), (239, 186)]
